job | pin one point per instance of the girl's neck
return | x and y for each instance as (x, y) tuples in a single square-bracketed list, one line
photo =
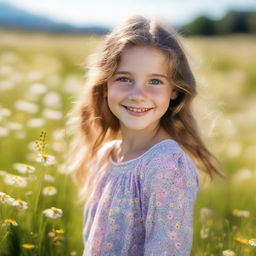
[(129, 148)]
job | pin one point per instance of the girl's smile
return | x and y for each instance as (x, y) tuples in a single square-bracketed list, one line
[(137, 111)]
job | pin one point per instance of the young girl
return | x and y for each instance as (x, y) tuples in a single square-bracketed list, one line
[(131, 149)]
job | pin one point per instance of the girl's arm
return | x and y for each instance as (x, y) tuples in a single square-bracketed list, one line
[(169, 192)]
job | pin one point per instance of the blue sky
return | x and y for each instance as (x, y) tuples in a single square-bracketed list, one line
[(111, 12)]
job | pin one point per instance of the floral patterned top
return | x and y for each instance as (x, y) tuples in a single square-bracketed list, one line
[(143, 206)]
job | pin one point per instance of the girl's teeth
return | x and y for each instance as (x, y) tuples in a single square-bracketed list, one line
[(139, 109)]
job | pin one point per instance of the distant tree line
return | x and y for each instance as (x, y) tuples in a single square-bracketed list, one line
[(232, 22)]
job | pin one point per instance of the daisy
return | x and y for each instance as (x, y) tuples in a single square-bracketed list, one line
[(20, 204), (228, 253), (46, 159), (15, 180), (52, 114), (26, 106), (38, 88), (9, 222), (35, 122), (6, 199), (49, 191), (53, 213), (23, 168)]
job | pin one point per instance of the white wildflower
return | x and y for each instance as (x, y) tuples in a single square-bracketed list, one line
[(204, 232), (228, 253), (53, 213), (5, 112), (6, 199), (23, 168), (52, 114), (26, 106), (20, 204), (46, 160), (49, 191), (37, 88), (36, 122), (52, 99), (3, 131), (15, 180)]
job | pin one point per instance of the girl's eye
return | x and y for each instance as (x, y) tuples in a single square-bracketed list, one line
[(126, 79), (157, 81), (122, 79)]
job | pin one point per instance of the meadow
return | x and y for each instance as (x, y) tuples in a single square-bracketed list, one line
[(40, 78)]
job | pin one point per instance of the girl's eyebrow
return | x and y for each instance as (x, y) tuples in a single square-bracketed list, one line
[(129, 73)]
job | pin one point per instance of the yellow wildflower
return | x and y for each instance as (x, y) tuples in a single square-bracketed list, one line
[(28, 246), (59, 231), (10, 222), (241, 240)]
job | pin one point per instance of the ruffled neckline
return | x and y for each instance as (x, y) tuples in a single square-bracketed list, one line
[(140, 156)]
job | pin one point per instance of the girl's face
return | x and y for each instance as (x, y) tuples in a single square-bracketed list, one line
[(141, 84)]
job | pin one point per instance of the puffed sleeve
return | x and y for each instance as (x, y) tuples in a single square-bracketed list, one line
[(169, 192)]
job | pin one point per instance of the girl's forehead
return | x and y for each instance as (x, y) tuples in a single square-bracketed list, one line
[(141, 58)]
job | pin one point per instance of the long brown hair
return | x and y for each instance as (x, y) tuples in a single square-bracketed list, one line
[(93, 123)]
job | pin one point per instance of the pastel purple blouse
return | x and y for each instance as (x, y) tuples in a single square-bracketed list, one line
[(143, 206)]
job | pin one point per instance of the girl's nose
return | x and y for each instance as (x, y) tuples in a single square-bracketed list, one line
[(137, 93)]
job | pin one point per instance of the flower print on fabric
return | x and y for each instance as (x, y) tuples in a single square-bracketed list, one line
[(169, 194)]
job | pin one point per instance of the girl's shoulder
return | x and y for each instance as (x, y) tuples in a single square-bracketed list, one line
[(169, 158)]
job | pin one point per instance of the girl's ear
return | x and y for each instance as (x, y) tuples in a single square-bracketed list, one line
[(174, 94)]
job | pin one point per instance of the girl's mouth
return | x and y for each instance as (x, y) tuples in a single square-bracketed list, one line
[(137, 111)]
